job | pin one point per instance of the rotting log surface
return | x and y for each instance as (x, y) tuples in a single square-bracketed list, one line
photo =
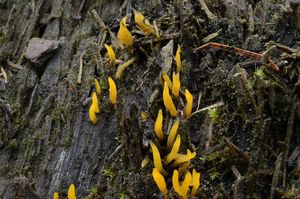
[(47, 141)]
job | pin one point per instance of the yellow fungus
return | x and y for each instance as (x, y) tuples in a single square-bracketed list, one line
[(176, 84), (95, 102), (189, 103), (92, 113), (144, 116), (145, 161), (178, 59), (172, 135), (160, 181), (122, 67), (55, 195), (143, 24), (172, 155), (97, 87), (184, 158), (158, 125), (185, 185), (195, 181), (157, 159), (124, 36), (71, 192), (168, 101), (112, 91), (176, 185), (111, 54), (167, 79)]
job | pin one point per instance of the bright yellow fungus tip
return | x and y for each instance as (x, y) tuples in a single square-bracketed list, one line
[(189, 103), (157, 159), (71, 192), (196, 181), (184, 158), (172, 155), (185, 185), (95, 102), (124, 36), (176, 84), (158, 125), (176, 185), (167, 79), (55, 195), (92, 113), (122, 67), (172, 135), (143, 24), (178, 59), (160, 181), (97, 87), (111, 54), (168, 101), (112, 91)]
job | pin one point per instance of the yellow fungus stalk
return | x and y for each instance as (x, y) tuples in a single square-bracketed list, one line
[(124, 35), (143, 24), (97, 87), (176, 84), (196, 181), (167, 79), (185, 185), (71, 192), (172, 155), (184, 158), (92, 113), (189, 103), (160, 181), (158, 125), (168, 101), (172, 135), (55, 195), (95, 102), (157, 159), (178, 59), (145, 161), (112, 91), (122, 67), (176, 185), (111, 53)]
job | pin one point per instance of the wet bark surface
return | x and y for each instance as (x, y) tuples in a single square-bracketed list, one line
[(246, 148)]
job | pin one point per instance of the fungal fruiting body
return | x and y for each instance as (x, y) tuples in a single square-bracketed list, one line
[(173, 154), (176, 184), (168, 101), (172, 135), (184, 158), (124, 35), (160, 181), (185, 185), (178, 59), (176, 84), (196, 181), (97, 87), (92, 113), (189, 103), (143, 24), (167, 79), (55, 195), (95, 102), (111, 54), (122, 67), (157, 159), (71, 192), (158, 125), (112, 91)]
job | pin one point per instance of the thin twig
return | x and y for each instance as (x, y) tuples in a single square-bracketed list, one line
[(4, 74), (206, 108), (80, 68)]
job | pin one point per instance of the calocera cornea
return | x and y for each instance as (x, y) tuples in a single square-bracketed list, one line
[(168, 101), (112, 91), (160, 181), (111, 54), (159, 125), (72, 192), (124, 35)]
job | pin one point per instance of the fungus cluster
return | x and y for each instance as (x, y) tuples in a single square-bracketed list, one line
[(174, 164)]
